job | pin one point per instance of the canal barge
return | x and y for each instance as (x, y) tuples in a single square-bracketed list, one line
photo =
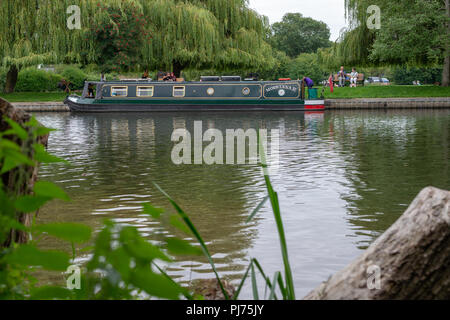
[(209, 94)]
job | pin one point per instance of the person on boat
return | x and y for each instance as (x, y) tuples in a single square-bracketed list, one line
[(308, 81), (91, 90), (353, 78), (172, 77), (145, 75), (167, 77), (341, 75), (102, 77)]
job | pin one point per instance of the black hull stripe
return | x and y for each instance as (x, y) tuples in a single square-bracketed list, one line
[(161, 108)]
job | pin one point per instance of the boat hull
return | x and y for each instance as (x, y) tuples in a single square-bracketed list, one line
[(76, 105)]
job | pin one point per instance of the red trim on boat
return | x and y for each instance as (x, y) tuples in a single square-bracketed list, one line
[(316, 106)]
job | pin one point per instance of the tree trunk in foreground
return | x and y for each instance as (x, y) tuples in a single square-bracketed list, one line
[(11, 79), (30, 173), (413, 257)]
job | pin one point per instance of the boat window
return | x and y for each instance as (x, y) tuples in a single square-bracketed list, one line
[(145, 91), (246, 91), (119, 91), (179, 92)]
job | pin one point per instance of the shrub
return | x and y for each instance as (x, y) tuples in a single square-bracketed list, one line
[(306, 65), (405, 75), (35, 80), (76, 76)]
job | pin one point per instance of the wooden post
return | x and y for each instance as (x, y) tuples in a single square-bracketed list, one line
[(412, 258), (26, 174)]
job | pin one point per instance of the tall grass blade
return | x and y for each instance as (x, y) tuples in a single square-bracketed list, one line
[(266, 278), (279, 222), (196, 234), (282, 288), (274, 285), (255, 211), (241, 284), (254, 284), (185, 292)]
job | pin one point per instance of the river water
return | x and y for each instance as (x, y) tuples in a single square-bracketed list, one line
[(343, 178)]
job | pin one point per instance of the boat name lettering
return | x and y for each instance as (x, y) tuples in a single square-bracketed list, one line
[(282, 86)]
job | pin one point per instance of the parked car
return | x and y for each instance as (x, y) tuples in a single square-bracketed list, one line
[(373, 80), (385, 81)]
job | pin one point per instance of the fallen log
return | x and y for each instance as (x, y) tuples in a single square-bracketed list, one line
[(27, 174), (411, 260)]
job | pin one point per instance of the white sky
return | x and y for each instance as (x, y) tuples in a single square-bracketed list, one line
[(331, 12)]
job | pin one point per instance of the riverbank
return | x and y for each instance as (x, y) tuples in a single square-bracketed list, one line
[(366, 92), (376, 103), (391, 91), (388, 103), (34, 96), (368, 97), (41, 106)]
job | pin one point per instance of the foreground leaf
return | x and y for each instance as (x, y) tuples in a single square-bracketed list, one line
[(30, 256), (49, 189), (72, 232)]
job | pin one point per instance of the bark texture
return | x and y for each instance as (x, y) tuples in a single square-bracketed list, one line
[(11, 79), (19, 181), (413, 256)]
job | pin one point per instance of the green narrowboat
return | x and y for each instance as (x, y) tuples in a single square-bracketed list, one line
[(209, 94)]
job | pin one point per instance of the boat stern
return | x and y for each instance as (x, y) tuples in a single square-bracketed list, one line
[(315, 105)]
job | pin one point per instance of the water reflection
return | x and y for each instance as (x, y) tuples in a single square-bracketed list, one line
[(344, 178)]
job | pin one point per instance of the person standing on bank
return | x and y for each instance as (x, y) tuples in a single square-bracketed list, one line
[(341, 75)]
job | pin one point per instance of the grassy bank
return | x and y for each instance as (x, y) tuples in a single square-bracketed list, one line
[(34, 96), (391, 91)]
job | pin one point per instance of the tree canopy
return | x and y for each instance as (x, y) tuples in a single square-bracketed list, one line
[(412, 33), (297, 34), (217, 34), (35, 31)]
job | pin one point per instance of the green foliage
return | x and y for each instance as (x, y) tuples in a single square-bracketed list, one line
[(76, 76), (306, 65), (205, 34), (406, 75), (119, 35), (34, 80), (280, 68), (296, 34), (412, 32), (2, 78)]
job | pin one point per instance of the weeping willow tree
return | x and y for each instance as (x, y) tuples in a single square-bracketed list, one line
[(415, 33), (220, 34), (35, 31)]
